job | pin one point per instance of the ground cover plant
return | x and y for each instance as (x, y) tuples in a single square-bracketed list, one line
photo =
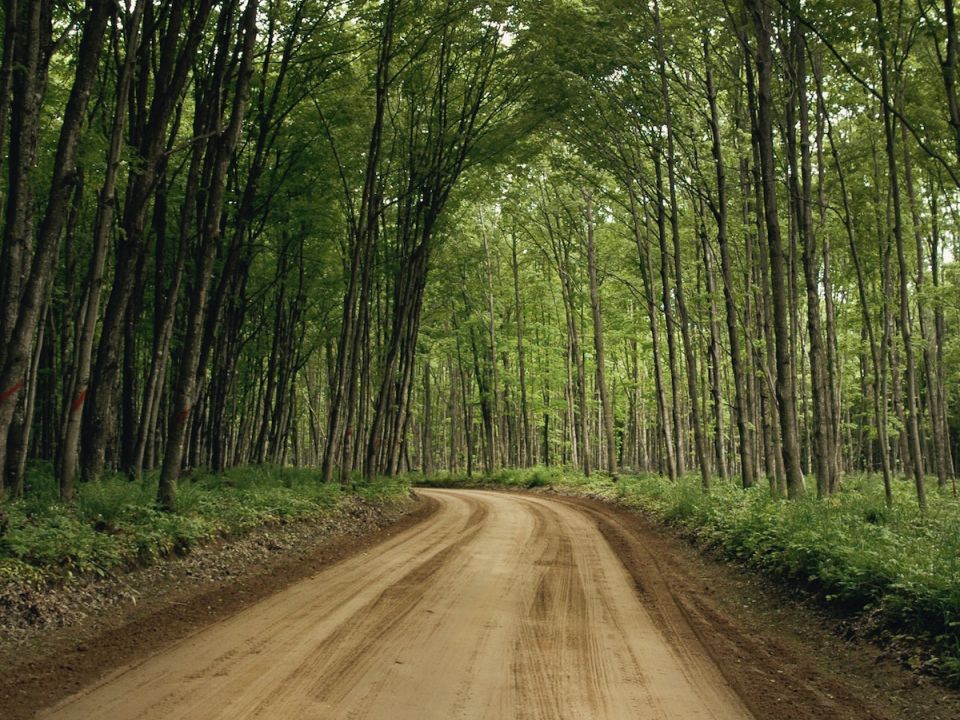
[(115, 523)]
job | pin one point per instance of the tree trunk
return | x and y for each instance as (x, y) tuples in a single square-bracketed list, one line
[(494, 388), (152, 123), (911, 410), (726, 269), (802, 192), (527, 444), (949, 68), (670, 322), (606, 403), (778, 279), (939, 328), (643, 254), (690, 360), (364, 234), (716, 383), (427, 442), (102, 230), (937, 419), (35, 290), (222, 148)]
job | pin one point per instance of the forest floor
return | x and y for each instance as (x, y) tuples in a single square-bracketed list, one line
[(478, 604)]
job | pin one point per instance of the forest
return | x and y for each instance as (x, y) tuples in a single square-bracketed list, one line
[(266, 265), (418, 235)]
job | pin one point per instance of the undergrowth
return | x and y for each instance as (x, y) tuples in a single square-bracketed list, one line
[(115, 524), (898, 568)]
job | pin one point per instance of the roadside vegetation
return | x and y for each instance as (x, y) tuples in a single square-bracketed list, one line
[(116, 525), (897, 568)]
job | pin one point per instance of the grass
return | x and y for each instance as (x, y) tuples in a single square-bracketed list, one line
[(897, 568), (115, 524)]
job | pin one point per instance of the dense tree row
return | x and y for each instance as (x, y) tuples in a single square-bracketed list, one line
[(428, 234), (221, 172), (769, 206)]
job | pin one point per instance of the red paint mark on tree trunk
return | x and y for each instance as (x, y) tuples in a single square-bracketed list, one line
[(9, 392), (182, 417), (78, 400)]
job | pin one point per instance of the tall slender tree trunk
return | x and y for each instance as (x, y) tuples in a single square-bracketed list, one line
[(166, 308), (646, 274), (889, 129), (10, 15), (939, 327), (726, 269), (949, 69), (878, 351), (222, 147), (486, 406), (364, 229), (102, 229), (931, 373), (498, 456), (690, 360), (606, 403), (16, 359), (834, 376), (802, 190), (670, 322), (786, 401), (177, 46), (427, 443), (527, 444), (465, 406), (716, 382), (27, 40)]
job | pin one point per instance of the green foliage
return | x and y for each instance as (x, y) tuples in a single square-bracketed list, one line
[(513, 478), (115, 525), (899, 566)]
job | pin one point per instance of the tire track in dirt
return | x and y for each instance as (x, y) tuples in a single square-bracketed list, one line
[(550, 647), (627, 667)]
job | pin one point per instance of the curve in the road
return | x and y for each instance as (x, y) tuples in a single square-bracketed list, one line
[(498, 606)]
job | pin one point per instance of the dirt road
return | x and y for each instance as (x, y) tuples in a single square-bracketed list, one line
[(497, 606)]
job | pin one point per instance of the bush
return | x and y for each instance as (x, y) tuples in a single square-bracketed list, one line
[(901, 566), (115, 523)]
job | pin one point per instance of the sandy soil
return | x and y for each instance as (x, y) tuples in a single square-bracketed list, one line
[(496, 606)]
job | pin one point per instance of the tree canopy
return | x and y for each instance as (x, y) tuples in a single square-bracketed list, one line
[(378, 237)]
